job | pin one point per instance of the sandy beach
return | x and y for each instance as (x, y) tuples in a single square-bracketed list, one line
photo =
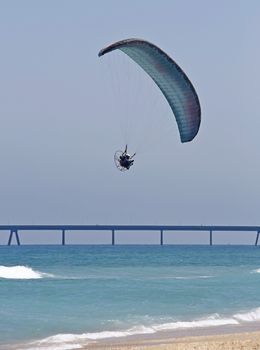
[(237, 341)]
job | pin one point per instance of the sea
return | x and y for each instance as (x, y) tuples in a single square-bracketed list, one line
[(67, 297)]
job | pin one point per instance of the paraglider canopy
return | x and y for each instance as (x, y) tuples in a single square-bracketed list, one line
[(171, 80)]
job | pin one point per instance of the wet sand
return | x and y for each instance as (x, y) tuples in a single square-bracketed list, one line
[(237, 337), (236, 341)]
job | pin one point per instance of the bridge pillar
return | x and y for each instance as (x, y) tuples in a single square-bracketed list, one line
[(210, 237), (161, 237), (10, 237), (12, 231), (63, 237), (257, 236), (113, 237)]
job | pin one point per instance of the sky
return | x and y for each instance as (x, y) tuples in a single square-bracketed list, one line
[(65, 111)]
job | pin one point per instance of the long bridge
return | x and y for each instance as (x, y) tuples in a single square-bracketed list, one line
[(14, 230)]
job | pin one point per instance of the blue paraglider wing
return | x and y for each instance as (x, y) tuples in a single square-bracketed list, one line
[(170, 78)]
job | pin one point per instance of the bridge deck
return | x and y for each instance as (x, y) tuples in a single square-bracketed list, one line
[(14, 230)]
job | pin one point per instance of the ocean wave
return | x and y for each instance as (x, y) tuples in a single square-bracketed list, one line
[(256, 271), (191, 277), (203, 323), (78, 341), (160, 278), (251, 316), (21, 272), (50, 346)]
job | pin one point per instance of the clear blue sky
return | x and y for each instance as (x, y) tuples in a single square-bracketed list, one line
[(60, 115)]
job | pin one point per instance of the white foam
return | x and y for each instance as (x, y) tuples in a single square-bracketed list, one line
[(208, 322), (192, 277), (109, 334), (78, 341), (21, 272), (251, 316), (55, 347), (71, 338), (256, 271)]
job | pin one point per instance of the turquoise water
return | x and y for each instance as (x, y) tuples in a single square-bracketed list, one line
[(55, 297)]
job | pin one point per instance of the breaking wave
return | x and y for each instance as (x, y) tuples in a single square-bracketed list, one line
[(21, 272), (78, 341), (192, 277), (251, 316)]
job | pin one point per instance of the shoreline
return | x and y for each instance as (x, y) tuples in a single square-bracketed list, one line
[(232, 341), (232, 337), (185, 339)]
